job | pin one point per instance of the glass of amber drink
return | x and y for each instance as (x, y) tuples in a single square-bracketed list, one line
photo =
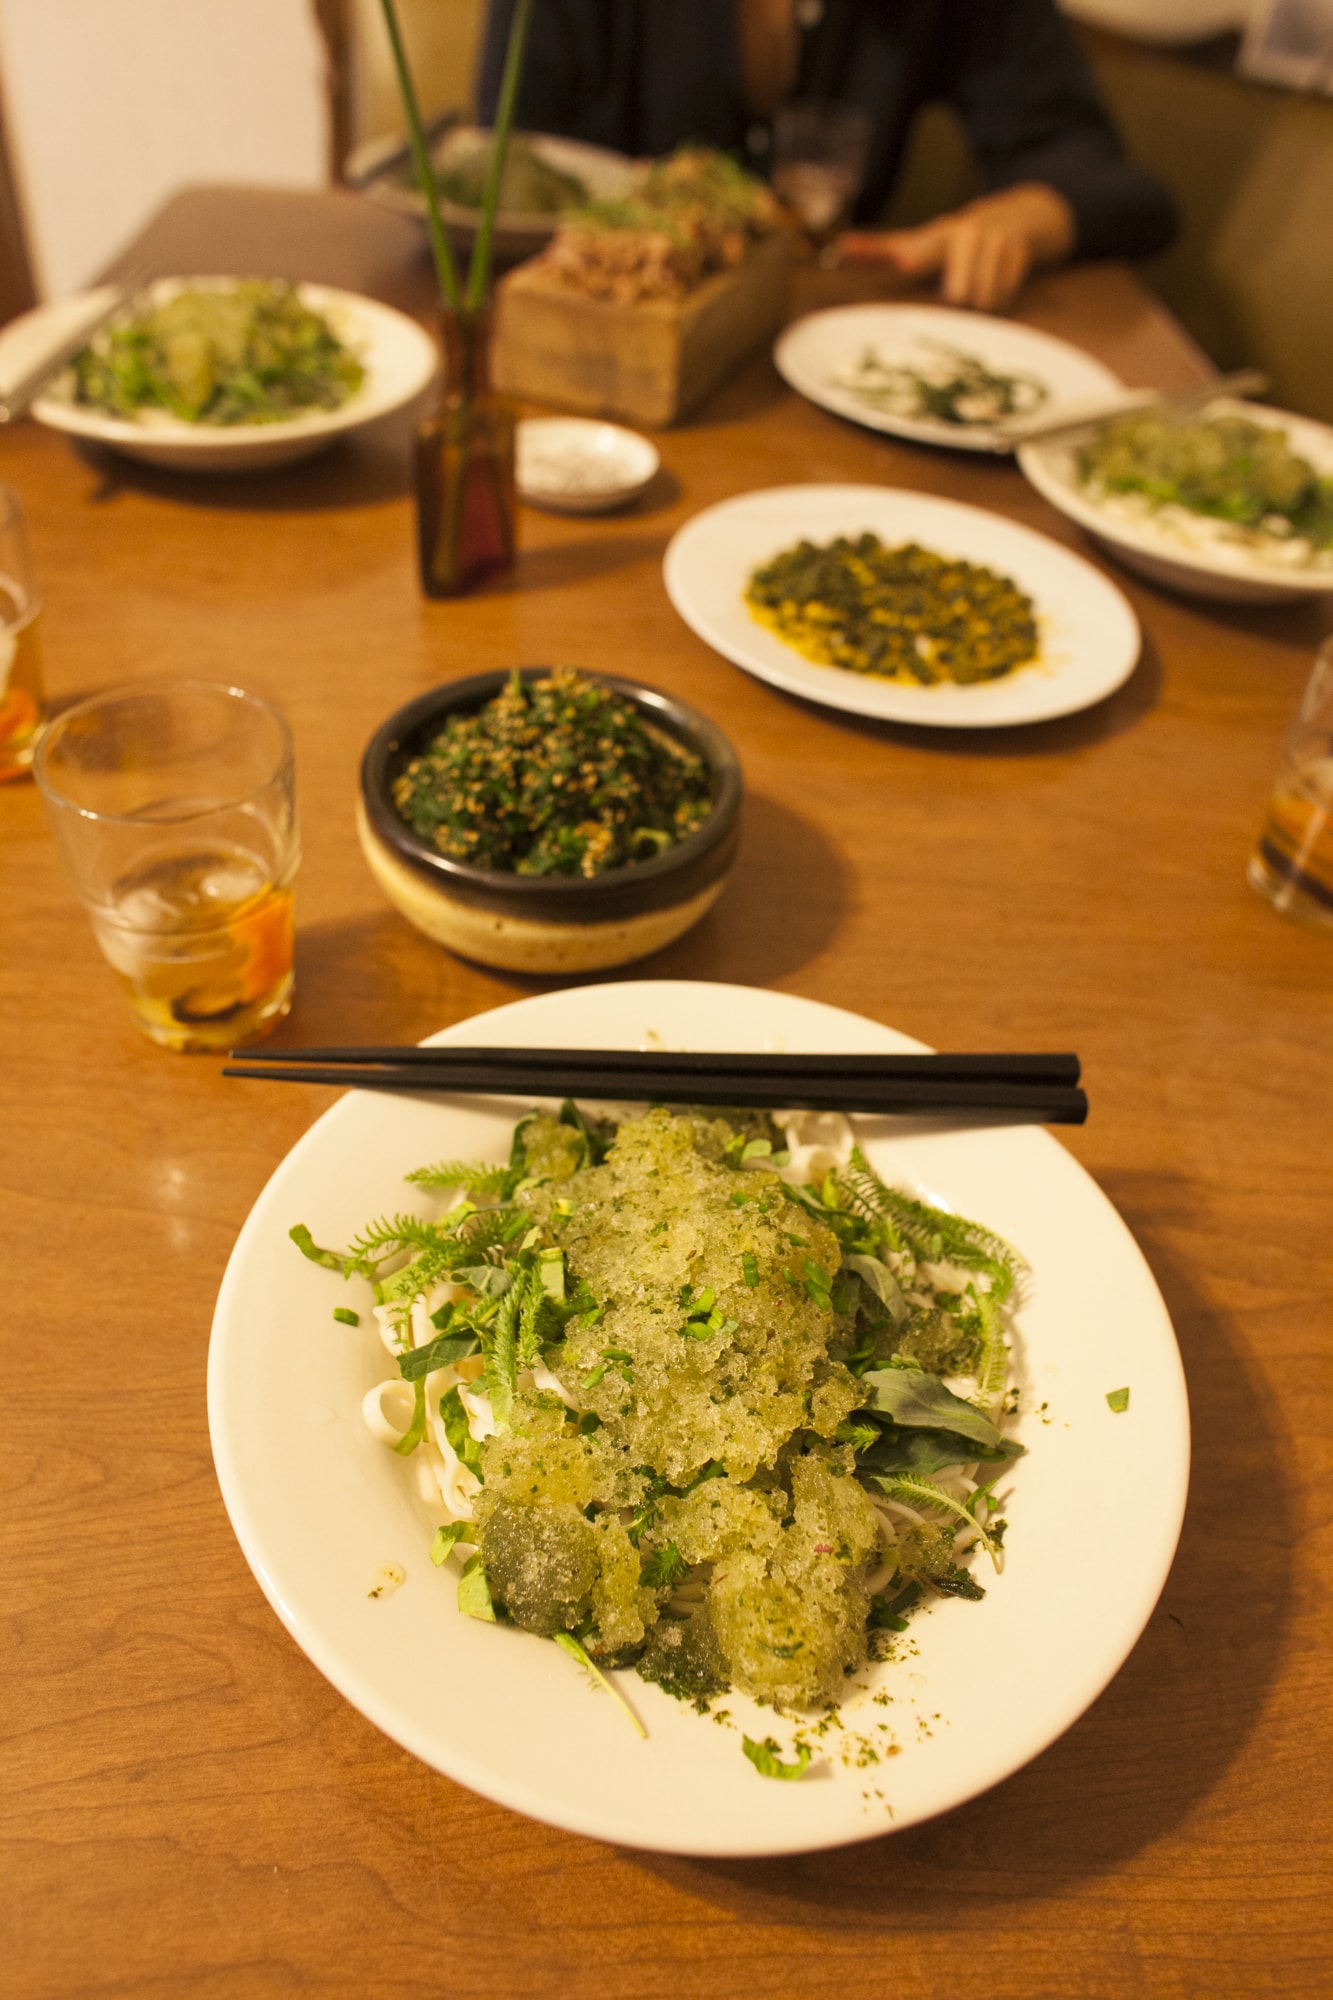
[(175, 810), (20, 660), (1292, 865)]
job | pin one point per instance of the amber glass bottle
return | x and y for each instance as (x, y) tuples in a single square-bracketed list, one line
[(465, 466)]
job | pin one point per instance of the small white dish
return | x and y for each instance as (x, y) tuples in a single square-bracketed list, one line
[(320, 1506), (1089, 637), (575, 465), (814, 351), (398, 356), (1186, 552)]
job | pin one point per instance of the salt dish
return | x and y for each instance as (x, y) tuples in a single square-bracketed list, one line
[(574, 465)]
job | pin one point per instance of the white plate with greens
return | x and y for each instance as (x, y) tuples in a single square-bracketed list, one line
[(544, 174), (1087, 636), (320, 1507), (901, 368), (396, 356), (1182, 547)]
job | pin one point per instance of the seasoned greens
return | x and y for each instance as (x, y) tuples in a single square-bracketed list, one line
[(251, 353), (1227, 468), (905, 613), (679, 1403), (558, 776)]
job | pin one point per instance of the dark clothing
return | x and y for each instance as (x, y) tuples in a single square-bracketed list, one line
[(641, 76)]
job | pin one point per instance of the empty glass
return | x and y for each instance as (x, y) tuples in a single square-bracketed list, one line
[(1292, 865), (819, 163), (174, 808)]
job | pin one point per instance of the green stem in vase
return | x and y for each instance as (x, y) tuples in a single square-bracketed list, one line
[(480, 270), (439, 241)]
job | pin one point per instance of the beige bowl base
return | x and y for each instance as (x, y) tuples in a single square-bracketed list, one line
[(518, 944)]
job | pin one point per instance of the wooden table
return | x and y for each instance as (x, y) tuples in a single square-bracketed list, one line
[(188, 1807)]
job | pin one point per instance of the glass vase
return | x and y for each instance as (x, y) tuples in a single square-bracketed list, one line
[(465, 467)]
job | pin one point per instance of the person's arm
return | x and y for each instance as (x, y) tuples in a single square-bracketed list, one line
[(1057, 180)]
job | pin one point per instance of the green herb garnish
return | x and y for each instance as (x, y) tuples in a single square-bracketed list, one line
[(557, 776), (767, 1761)]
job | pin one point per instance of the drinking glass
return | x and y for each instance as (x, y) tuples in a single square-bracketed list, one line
[(174, 808), (20, 657), (1292, 865), (819, 163)]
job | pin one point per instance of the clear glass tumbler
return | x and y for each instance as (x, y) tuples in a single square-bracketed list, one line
[(20, 655), (174, 807), (1292, 865), (819, 163)]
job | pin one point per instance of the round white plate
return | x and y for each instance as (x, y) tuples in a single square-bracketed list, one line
[(575, 465), (1165, 548), (607, 176), (318, 1505), (1089, 637), (399, 358), (814, 350)]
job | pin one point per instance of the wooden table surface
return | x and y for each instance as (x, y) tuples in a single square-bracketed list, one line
[(188, 1808)]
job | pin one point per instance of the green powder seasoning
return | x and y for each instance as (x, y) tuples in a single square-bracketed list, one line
[(903, 613), (557, 776)]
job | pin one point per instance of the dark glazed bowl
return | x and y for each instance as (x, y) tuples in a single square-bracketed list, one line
[(546, 923)]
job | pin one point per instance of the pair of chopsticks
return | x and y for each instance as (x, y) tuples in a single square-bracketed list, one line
[(19, 396), (1036, 1089)]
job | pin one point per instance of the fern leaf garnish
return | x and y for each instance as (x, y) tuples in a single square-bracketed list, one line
[(932, 1234), (468, 1175), (914, 1491)]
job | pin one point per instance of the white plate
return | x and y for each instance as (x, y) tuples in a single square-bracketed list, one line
[(1225, 570), (399, 358), (606, 175), (1089, 637), (575, 465), (814, 350), (318, 1505)]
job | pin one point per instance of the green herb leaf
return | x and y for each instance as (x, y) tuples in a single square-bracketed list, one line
[(918, 1400), (346, 1317), (454, 1418), (445, 1538), (664, 1568), (1117, 1399), (882, 1283), (416, 1362), (416, 1430), (749, 1269), (474, 1592), (308, 1247), (569, 1644), (766, 1760)]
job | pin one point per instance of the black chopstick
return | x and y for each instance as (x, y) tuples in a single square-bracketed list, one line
[(665, 1063), (875, 1085)]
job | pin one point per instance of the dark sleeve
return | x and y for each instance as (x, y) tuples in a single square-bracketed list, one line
[(576, 71), (1032, 113)]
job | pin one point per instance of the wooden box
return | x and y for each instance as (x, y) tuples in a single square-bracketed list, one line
[(648, 363)]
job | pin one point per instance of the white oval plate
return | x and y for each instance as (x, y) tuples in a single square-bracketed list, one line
[(1089, 637), (1225, 570), (607, 175), (399, 358), (603, 466), (318, 1505), (813, 350)]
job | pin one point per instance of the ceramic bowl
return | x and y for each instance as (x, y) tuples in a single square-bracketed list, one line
[(548, 923), (575, 465)]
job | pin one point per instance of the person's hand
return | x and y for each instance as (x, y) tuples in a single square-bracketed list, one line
[(983, 252)]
